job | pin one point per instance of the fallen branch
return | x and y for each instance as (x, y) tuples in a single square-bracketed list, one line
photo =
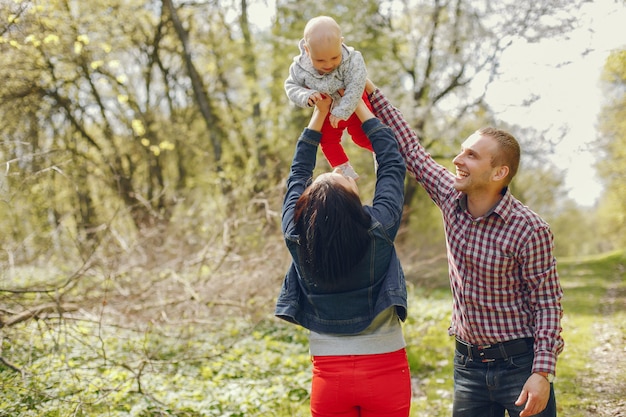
[(10, 365), (35, 312)]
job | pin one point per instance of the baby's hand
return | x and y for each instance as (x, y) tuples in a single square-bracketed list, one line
[(334, 121), (314, 98)]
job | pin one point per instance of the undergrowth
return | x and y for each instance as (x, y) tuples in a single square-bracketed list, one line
[(80, 365)]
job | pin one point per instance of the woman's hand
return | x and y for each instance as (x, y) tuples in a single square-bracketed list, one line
[(314, 98), (322, 108), (324, 104)]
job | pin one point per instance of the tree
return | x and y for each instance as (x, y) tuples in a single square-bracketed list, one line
[(452, 54), (144, 146), (89, 116), (612, 147), (103, 112), (435, 58)]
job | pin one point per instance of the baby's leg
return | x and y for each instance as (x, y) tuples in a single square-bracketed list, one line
[(331, 144), (353, 124)]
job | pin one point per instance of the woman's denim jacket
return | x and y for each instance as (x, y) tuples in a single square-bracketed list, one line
[(377, 281)]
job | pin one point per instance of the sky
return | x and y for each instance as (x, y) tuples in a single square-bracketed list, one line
[(566, 76)]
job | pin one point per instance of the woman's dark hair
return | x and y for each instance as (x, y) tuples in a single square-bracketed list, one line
[(333, 230)]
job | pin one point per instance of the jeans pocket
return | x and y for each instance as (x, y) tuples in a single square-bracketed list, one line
[(460, 360), (522, 361)]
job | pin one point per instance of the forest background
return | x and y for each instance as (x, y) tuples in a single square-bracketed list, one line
[(145, 145)]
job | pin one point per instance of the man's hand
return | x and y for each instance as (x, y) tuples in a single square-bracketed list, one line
[(369, 87), (535, 394), (363, 112)]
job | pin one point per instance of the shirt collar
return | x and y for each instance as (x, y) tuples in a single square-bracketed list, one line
[(502, 208)]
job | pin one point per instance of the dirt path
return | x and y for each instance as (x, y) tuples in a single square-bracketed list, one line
[(609, 357)]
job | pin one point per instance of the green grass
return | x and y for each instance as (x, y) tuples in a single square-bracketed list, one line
[(430, 351), (87, 368), (594, 295)]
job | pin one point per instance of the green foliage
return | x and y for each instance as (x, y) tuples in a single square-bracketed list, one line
[(430, 351), (234, 366), (612, 148), (576, 232), (537, 185), (94, 369), (141, 229), (593, 325)]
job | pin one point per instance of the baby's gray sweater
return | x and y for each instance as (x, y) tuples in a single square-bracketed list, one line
[(350, 75)]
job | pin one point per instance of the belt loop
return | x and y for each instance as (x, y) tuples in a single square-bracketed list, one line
[(503, 351), (468, 347)]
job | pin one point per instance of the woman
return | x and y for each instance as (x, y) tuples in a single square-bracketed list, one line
[(345, 283)]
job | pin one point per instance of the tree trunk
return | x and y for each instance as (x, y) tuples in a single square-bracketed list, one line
[(213, 123)]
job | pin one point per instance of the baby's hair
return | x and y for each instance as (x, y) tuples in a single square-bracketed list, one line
[(321, 28)]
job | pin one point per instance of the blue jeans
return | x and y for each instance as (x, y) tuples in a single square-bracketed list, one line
[(488, 389)]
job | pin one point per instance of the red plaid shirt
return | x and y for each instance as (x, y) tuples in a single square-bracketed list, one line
[(502, 269)]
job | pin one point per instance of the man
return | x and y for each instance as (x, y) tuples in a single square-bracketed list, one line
[(507, 310)]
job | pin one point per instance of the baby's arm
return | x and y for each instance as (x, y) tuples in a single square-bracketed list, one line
[(355, 76), (297, 92)]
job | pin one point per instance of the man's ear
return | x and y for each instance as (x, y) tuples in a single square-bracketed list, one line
[(501, 173)]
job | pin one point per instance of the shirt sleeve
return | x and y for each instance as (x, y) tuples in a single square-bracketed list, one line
[(540, 273), (435, 178)]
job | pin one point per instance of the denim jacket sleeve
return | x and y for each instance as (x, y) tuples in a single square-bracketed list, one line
[(300, 176), (389, 195)]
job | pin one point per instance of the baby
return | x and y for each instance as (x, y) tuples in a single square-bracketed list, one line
[(326, 66)]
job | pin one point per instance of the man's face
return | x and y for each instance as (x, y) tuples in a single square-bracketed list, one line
[(474, 170)]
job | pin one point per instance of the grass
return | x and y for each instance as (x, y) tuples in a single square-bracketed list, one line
[(591, 369), (88, 368), (430, 350)]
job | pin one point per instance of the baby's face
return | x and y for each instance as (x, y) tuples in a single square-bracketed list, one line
[(325, 56)]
